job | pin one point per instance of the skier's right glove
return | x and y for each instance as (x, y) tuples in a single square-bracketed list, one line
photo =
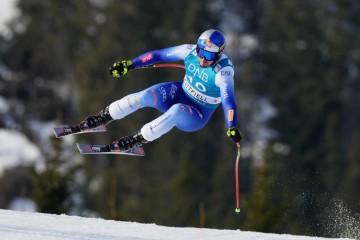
[(234, 134), (121, 68)]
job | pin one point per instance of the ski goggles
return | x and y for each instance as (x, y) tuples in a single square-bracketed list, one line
[(209, 56)]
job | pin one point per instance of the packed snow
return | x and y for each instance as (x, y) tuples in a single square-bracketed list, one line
[(16, 225)]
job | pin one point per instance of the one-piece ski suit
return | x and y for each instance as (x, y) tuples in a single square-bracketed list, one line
[(186, 104)]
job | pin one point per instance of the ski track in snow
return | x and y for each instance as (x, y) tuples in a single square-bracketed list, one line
[(16, 225)]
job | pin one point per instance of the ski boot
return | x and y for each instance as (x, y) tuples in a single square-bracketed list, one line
[(94, 121), (126, 143)]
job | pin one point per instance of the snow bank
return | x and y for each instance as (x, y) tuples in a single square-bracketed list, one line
[(30, 226)]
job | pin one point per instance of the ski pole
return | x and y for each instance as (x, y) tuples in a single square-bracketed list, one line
[(237, 209), (176, 65)]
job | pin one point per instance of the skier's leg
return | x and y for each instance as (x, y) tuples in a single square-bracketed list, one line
[(160, 96), (185, 117)]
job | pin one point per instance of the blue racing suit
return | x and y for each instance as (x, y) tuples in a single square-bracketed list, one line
[(186, 104)]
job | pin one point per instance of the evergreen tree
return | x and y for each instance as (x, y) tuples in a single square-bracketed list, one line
[(264, 205), (43, 52), (15, 183), (53, 185), (307, 53)]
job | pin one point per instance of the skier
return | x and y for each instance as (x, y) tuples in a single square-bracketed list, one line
[(186, 104)]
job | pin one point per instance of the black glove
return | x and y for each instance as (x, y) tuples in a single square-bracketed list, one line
[(234, 134), (121, 68)]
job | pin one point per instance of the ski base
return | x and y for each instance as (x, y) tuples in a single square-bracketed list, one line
[(104, 149), (71, 130)]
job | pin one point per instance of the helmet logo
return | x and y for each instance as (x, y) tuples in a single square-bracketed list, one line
[(206, 43)]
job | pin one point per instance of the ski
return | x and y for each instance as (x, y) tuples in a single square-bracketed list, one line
[(71, 130), (104, 149)]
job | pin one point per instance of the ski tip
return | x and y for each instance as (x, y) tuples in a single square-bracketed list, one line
[(60, 132), (103, 149), (70, 130), (91, 149), (78, 145), (55, 133)]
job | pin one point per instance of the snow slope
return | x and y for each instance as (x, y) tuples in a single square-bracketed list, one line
[(30, 226)]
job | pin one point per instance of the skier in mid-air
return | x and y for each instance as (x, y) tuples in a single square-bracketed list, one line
[(187, 104)]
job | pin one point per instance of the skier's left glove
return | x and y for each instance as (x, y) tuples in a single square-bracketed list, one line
[(121, 68), (234, 134)]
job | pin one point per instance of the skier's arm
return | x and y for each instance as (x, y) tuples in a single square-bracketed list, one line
[(161, 55), (170, 54), (225, 81)]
